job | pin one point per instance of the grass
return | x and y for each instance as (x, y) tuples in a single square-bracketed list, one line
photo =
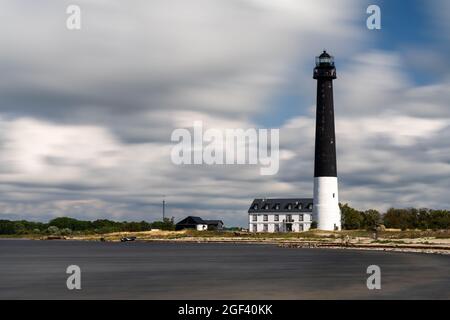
[(20, 236), (389, 241), (316, 235), (414, 234)]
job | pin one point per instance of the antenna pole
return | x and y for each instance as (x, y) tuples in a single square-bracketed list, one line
[(164, 208)]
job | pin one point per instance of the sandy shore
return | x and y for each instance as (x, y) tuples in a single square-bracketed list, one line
[(317, 239)]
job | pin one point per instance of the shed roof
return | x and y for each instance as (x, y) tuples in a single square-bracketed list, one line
[(213, 221), (198, 220), (191, 220)]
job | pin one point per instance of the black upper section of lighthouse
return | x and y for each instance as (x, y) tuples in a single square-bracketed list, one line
[(325, 153)]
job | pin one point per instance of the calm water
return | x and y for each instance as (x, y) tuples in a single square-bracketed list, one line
[(36, 270)]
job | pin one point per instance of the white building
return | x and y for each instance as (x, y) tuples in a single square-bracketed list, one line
[(280, 215)]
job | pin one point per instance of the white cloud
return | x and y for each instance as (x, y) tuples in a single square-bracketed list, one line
[(87, 116)]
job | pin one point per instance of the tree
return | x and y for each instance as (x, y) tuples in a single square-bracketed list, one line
[(351, 218), (371, 219), (136, 226), (66, 231), (398, 218), (7, 227), (166, 224), (53, 230), (424, 219), (439, 219), (71, 223)]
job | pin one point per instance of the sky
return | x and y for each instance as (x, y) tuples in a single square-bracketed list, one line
[(86, 115)]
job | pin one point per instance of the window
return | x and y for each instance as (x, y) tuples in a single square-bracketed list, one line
[(310, 206), (289, 218), (266, 207), (255, 217), (255, 228), (300, 227), (333, 195), (300, 217), (277, 206), (265, 228), (277, 218), (266, 217), (289, 206), (255, 207), (277, 227)]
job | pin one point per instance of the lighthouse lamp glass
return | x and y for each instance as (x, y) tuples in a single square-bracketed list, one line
[(324, 61)]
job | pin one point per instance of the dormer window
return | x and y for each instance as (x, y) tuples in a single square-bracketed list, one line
[(277, 206), (310, 206), (299, 206), (266, 207), (289, 206), (255, 207)]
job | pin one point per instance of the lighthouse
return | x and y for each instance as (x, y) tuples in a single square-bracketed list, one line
[(326, 201)]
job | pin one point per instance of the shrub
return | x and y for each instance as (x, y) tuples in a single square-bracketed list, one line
[(66, 231), (351, 218), (53, 230)]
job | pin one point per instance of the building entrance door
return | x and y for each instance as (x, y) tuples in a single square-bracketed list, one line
[(288, 227)]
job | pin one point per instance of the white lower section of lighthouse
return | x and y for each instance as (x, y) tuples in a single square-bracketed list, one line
[(326, 203)]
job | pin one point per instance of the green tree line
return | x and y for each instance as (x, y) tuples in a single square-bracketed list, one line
[(66, 225), (410, 218)]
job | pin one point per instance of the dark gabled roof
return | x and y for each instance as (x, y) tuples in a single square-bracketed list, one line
[(213, 221), (197, 220), (192, 220), (281, 205)]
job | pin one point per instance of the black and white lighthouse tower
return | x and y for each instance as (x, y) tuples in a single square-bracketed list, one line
[(326, 202)]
